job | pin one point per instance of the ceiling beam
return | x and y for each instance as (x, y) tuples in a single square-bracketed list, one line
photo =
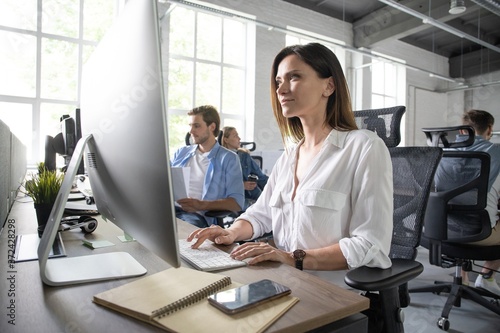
[(391, 24), (318, 7), (438, 24), (474, 63)]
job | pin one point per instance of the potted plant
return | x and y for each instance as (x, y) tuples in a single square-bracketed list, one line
[(43, 188)]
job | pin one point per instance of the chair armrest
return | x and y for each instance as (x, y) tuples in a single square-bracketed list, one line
[(248, 145), (220, 213), (376, 279)]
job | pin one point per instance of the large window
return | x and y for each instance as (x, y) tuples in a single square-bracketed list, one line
[(44, 44), (379, 81), (383, 85), (209, 60), (389, 88)]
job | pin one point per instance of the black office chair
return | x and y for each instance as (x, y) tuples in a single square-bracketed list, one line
[(258, 160), (456, 216), (385, 122), (413, 172)]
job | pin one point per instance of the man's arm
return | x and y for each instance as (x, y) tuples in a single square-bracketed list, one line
[(193, 205), (234, 183), (222, 204)]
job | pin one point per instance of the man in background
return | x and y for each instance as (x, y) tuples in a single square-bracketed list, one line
[(482, 122), (215, 172)]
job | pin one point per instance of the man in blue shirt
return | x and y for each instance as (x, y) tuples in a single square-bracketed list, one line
[(482, 122), (215, 172)]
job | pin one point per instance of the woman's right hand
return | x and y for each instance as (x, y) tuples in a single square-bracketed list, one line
[(214, 233)]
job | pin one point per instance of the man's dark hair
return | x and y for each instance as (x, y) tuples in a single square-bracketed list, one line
[(209, 114), (480, 120)]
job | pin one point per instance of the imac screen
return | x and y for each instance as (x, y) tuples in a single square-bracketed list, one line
[(124, 129), (123, 107)]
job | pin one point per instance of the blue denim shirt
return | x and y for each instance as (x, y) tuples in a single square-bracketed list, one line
[(223, 177), (451, 171), (248, 166)]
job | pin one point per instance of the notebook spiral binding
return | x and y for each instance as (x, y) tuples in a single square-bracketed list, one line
[(192, 298)]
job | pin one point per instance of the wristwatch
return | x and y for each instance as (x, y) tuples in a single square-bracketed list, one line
[(299, 256)]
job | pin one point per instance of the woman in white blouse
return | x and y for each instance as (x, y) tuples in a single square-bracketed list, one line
[(329, 198)]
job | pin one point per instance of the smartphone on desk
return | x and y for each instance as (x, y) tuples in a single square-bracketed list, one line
[(247, 296)]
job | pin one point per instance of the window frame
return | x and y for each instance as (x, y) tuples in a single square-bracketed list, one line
[(242, 120), (36, 145)]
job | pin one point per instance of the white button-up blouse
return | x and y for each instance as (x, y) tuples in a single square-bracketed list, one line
[(345, 197)]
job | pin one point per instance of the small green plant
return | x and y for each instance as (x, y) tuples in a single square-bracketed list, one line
[(44, 186)]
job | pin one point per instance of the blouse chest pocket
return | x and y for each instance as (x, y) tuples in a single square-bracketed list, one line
[(323, 199), (276, 200)]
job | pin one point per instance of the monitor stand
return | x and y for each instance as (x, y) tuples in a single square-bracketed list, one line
[(96, 267)]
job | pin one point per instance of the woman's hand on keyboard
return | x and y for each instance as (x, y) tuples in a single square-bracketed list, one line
[(261, 251), (214, 233)]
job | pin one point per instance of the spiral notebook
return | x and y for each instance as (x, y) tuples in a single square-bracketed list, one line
[(176, 300)]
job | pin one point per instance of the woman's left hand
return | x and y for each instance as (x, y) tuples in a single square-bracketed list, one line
[(260, 251)]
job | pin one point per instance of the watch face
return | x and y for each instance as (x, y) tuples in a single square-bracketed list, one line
[(299, 254)]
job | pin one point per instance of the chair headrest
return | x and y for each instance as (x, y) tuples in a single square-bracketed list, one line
[(462, 136), (385, 122)]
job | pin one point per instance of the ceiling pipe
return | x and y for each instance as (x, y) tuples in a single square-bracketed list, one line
[(469, 86), (438, 24), (491, 5)]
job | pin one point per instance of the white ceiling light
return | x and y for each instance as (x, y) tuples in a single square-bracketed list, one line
[(457, 7)]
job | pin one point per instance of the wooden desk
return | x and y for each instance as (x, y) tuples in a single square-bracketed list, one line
[(35, 307)]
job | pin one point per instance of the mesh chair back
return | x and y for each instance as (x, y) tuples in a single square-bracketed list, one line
[(386, 122), (457, 206), (413, 172), (457, 210)]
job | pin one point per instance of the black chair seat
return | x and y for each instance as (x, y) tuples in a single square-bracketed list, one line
[(221, 215), (375, 279), (464, 251)]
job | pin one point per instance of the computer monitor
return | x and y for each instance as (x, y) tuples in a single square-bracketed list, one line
[(124, 126), (64, 143)]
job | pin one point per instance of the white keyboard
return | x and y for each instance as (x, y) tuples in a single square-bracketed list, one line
[(207, 257)]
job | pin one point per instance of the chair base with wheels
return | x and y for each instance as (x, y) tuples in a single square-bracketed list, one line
[(457, 216), (456, 289)]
